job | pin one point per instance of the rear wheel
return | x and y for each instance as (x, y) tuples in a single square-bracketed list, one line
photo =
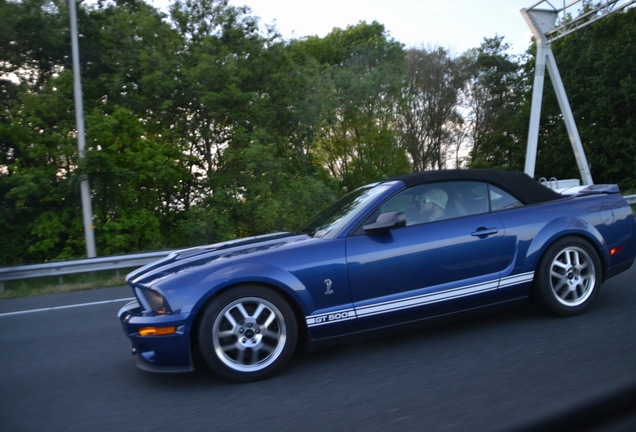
[(248, 333), (568, 277)]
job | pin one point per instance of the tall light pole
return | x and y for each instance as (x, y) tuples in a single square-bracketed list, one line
[(87, 211)]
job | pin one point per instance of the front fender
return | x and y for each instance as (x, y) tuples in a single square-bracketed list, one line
[(250, 273)]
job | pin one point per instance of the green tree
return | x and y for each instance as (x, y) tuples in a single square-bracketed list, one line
[(34, 37), (129, 154), (363, 68), (135, 177), (430, 122), (497, 99), (39, 201), (248, 120)]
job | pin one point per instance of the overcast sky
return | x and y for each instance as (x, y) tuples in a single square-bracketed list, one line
[(455, 24)]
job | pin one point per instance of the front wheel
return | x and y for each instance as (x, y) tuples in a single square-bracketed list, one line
[(568, 277), (248, 333)]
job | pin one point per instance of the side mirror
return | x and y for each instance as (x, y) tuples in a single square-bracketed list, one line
[(387, 220)]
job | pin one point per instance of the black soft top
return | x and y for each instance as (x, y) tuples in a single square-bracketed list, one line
[(524, 188)]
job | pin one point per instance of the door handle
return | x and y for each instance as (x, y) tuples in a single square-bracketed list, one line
[(483, 232)]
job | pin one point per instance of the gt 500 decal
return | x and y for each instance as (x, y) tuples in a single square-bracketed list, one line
[(417, 301), (316, 320)]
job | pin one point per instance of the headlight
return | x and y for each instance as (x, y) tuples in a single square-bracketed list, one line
[(154, 300)]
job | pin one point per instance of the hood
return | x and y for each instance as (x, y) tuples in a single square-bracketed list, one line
[(201, 255)]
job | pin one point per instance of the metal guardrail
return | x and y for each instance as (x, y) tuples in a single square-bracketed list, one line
[(61, 268)]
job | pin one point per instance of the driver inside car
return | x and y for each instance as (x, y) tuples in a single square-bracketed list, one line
[(433, 205)]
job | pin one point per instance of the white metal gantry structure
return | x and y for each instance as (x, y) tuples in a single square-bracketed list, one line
[(549, 23)]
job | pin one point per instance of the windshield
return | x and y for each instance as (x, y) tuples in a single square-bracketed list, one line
[(333, 218)]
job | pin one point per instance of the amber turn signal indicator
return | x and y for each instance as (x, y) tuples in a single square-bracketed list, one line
[(157, 331)]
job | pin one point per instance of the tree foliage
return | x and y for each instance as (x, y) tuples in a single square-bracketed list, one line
[(496, 99), (430, 124), (197, 130), (361, 74), (202, 125)]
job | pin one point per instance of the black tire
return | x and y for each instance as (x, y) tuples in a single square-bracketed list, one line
[(248, 333), (568, 277)]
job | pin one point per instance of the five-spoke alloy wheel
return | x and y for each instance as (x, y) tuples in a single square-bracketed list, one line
[(248, 333), (568, 277)]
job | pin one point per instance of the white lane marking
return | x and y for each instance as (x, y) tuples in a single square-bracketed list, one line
[(65, 307)]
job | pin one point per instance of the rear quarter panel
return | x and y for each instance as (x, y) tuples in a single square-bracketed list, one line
[(605, 221)]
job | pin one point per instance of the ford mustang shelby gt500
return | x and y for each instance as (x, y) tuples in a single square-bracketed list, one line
[(396, 253)]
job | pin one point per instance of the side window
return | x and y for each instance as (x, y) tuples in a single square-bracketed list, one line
[(406, 202), (502, 200), (473, 196), (438, 201)]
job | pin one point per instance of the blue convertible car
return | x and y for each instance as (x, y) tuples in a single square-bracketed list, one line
[(401, 252)]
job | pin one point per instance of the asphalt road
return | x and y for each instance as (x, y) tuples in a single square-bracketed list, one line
[(70, 369)]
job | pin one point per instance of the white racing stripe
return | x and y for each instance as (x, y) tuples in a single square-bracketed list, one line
[(418, 300), (425, 299), (65, 307)]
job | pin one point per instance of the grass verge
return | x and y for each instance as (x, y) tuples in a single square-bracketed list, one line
[(73, 282)]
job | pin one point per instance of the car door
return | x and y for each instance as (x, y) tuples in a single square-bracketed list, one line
[(428, 268)]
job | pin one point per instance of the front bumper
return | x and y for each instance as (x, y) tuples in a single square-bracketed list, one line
[(157, 353)]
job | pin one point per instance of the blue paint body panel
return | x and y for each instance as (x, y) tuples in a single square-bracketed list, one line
[(343, 280)]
